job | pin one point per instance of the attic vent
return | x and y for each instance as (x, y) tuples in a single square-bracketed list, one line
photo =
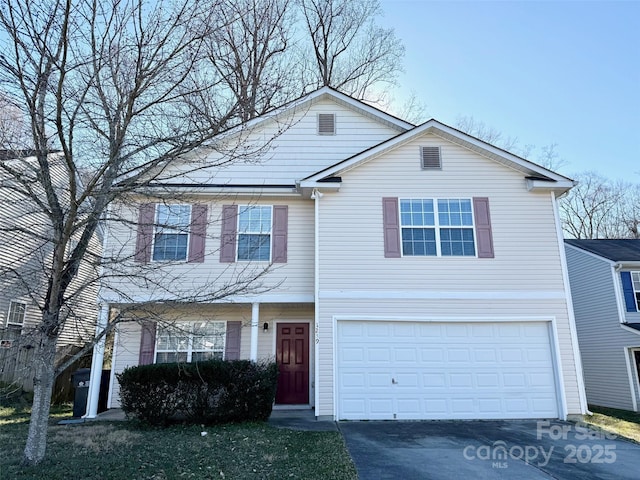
[(326, 123), (430, 157)]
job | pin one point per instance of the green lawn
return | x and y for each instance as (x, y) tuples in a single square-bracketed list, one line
[(621, 422), (121, 450)]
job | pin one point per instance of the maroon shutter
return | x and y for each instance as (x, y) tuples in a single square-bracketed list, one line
[(198, 233), (391, 224), (232, 343), (147, 343), (279, 232), (484, 237), (146, 218), (228, 237)]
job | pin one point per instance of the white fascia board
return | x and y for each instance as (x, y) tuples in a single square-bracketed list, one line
[(620, 265), (115, 300)]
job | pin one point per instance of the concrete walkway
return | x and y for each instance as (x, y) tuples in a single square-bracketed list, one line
[(304, 420)]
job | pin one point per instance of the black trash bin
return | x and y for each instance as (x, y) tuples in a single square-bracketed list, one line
[(81, 384)]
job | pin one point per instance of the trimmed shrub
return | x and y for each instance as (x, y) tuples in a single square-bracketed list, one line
[(215, 391)]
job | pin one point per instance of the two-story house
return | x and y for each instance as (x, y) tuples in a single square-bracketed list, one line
[(25, 260), (605, 285), (401, 271)]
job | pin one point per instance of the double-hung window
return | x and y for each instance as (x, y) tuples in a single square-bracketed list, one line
[(171, 235), (254, 232), (442, 227), (635, 280), (17, 314), (191, 342)]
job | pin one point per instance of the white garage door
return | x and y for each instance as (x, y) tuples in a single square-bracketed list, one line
[(404, 370)]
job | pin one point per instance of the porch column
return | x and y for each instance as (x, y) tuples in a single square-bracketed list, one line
[(96, 364), (255, 323)]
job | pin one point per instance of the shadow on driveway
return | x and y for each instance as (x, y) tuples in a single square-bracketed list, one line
[(488, 449)]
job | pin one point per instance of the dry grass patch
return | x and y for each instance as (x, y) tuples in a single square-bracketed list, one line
[(96, 438), (621, 422)]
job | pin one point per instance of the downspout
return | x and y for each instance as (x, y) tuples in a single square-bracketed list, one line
[(316, 195), (97, 359), (572, 318)]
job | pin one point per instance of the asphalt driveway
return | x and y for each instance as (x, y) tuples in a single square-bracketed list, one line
[(488, 449)]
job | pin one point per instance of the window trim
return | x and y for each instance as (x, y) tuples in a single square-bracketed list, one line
[(635, 282), (9, 323), (437, 227), (156, 225), (241, 209), (187, 328)]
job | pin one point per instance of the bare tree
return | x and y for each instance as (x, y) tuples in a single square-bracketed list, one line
[(110, 85), (599, 207), (249, 50), (351, 52)]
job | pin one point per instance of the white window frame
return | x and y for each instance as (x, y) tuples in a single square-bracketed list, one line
[(187, 329), (239, 232), (635, 285), (438, 227), (159, 229), (10, 311)]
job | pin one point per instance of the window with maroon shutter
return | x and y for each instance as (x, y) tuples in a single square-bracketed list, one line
[(437, 227), (254, 233)]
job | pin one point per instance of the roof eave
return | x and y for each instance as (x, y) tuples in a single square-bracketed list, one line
[(558, 187)]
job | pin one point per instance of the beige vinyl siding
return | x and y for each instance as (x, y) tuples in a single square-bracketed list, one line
[(288, 150), (603, 341), (127, 342), (24, 260), (182, 278), (524, 280)]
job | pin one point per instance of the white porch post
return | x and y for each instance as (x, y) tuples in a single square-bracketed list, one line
[(255, 322), (96, 364)]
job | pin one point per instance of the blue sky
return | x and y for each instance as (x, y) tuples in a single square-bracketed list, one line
[(565, 72)]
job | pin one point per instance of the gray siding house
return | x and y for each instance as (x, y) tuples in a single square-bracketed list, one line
[(605, 285)]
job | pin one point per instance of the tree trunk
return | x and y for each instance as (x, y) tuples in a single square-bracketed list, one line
[(42, 388)]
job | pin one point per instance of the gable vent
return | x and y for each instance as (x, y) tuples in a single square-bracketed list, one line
[(430, 157), (326, 123)]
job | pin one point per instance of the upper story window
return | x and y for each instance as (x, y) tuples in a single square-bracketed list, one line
[(442, 227), (17, 313), (254, 233), (171, 232), (635, 279), (191, 342)]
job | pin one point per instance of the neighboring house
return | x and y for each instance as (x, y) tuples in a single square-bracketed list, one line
[(605, 285), (416, 272), (25, 257)]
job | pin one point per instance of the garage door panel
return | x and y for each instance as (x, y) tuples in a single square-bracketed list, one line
[(449, 371)]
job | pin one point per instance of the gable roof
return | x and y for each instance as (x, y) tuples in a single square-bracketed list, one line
[(611, 249), (309, 99), (536, 175)]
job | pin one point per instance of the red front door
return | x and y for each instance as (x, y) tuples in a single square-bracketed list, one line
[(292, 355)]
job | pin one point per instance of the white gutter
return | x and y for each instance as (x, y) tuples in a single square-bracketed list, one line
[(316, 195)]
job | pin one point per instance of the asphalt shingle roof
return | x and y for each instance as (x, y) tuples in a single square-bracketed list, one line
[(614, 250)]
